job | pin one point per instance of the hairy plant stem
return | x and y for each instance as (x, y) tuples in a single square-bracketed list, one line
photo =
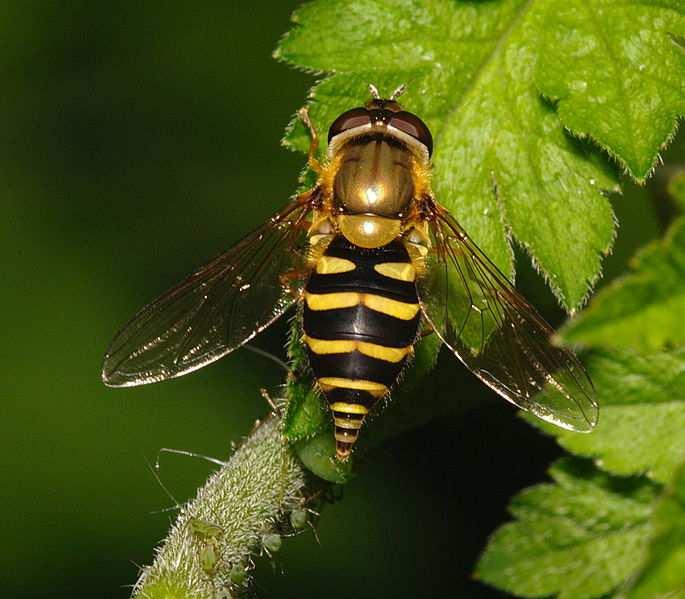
[(238, 513)]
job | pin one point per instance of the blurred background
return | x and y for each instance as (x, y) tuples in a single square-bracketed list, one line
[(137, 141)]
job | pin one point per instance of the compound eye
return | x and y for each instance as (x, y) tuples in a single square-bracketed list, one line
[(349, 120), (412, 125)]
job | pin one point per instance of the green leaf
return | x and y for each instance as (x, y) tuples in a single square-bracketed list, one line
[(318, 456), (617, 73), (644, 309), (663, 574), (641, 427), (503, 164), (580, 536), (305, 414)]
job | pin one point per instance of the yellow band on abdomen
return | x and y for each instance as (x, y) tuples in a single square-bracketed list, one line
[(346, 423), (349, 299), (344, 346), (359, 384), (381, 352), (400, 271), (401, 310), (327, 346), (331, 301), (349, 408), (376, 389), (330, 265), (346, 436)]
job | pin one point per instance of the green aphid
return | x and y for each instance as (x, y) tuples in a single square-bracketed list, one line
[(208, 558), (238, 574), (272, 542), (203, 529), (298, 519)]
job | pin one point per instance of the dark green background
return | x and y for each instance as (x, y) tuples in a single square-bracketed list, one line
[(136, 141)]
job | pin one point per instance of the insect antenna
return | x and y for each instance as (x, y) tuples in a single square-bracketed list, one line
[(269, 356), (398, 92), (155, 472), (190, 454), (373, 90)]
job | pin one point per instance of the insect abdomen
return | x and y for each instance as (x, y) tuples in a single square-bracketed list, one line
[(361, 318)]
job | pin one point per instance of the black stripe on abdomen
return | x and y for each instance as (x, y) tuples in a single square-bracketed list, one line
[(360, 323), (351, 397), (356, 366)]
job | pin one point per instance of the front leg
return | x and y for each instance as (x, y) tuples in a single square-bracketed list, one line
[(312, 161)]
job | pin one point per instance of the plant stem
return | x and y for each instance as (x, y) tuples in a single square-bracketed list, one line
[(207, 554)]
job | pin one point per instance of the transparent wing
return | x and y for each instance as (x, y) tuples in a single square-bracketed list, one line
[(497, 334), (215, 310)]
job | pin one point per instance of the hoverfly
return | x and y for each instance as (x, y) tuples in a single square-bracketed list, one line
[(371, 257)]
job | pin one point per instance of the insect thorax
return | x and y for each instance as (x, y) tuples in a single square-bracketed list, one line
[(374, 177)]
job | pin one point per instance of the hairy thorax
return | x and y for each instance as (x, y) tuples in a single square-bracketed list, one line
[(372, 188), (374, 177)]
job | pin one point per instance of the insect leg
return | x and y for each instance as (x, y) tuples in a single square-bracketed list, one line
[(275, 409), (290, 279), (314, 164)]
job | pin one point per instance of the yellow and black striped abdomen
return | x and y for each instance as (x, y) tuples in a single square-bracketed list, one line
[(361, 318)]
